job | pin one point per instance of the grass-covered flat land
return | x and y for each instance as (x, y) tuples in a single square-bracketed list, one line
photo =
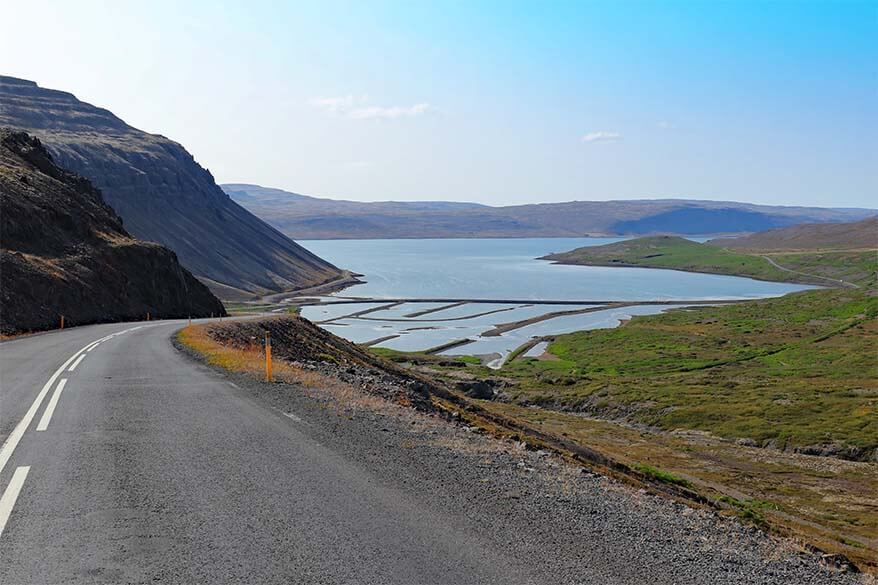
[(737, 400)]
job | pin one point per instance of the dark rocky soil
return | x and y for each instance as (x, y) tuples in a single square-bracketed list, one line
[(63, 251)]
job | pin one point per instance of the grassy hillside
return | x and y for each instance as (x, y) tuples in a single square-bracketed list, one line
[(793, 372), (830, 236), (831, 267), (678, 254)]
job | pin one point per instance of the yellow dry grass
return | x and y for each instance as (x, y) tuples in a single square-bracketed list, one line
[(251, 361)]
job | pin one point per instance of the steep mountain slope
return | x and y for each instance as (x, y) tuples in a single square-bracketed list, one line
[(63, 251), (833, 236), (316, 218), (161, 193)]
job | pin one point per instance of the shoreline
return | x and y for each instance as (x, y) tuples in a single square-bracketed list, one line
[(603, 302), (347, 279), (300, 298), (548, 258)]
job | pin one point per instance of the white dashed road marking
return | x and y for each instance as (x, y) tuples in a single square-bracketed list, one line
[(50, 408), (76, 363), (7, 502)]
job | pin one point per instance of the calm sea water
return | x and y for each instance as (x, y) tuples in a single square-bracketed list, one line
[(508, 269), (497, 269)]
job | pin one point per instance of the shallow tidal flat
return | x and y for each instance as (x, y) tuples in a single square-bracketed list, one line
[(469, 326), (484, 270)]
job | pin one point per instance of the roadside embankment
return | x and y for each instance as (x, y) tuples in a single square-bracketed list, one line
[(301, 350), (308, 355)]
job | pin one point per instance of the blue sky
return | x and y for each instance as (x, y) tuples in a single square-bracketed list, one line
[(497, 102)]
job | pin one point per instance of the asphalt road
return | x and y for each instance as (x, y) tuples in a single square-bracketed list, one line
[(126, 461), (153, 468)]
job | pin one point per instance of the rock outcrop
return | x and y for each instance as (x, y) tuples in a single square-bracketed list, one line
[(162, 194), (63, 251)]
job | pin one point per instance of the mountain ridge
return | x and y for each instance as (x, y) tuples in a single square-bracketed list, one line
[(63, 251), (322, 218), (161, 192)]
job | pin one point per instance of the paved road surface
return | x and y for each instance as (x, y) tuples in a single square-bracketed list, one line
[(126, 462), (151, 467)]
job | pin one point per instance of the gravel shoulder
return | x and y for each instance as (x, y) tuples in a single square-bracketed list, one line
[(564, 524)]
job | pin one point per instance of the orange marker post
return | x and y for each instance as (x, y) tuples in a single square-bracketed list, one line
[(62, 321), (268, 376)]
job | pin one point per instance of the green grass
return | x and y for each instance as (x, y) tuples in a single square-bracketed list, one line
[(660, 475), (797, 370), (851, 266), (752, 510), (678, 254), (390, 354)]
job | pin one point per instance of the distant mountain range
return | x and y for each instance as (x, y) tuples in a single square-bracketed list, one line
[(162, 194), (306, 217), (63, 251)]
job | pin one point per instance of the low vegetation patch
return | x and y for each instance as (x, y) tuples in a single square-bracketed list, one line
[(796, 372), (659, 475)]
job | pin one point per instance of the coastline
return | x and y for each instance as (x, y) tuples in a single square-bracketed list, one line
[(548, 258)]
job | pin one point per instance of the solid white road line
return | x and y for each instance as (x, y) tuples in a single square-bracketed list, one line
[(50, 408), (7, 502), (14, 437), (76, 363)]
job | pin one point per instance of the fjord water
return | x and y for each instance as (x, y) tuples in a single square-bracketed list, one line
[(509, 269), (496, 269)]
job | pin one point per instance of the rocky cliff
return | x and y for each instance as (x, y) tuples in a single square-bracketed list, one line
[(63, 251), (162, 194)]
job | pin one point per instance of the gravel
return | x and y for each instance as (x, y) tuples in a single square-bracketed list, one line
[(567, 524)]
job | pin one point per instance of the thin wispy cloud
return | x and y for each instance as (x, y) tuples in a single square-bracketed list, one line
[(356, 108), (602, 137), (389, 112), (665, 125), (335, 104)]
